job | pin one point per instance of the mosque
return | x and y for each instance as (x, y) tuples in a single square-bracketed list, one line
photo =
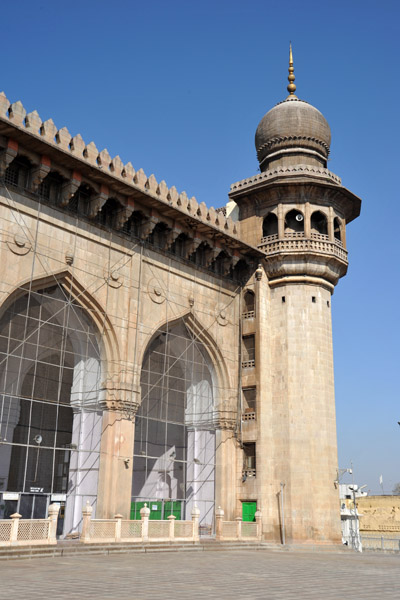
[(154, 349)]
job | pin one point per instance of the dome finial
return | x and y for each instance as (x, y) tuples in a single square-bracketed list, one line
[(291, 88)]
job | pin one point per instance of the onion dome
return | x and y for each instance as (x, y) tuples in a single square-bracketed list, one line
[(292, 132)]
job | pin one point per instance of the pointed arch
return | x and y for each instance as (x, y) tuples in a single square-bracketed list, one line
[(80, 294), (202, 334)]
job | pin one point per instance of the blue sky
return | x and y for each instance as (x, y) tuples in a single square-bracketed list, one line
[(178, 89)]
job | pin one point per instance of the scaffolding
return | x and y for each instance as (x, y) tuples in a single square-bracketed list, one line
[(52, 373)]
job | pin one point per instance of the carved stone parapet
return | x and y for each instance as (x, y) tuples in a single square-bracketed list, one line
[(17, 113), (33, 122), (304, 257)]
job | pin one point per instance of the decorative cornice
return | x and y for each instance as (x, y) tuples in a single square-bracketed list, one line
[(294, 171), (274, 142), (15, 115)]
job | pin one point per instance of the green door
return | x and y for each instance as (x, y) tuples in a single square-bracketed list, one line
[(249, 510), (173, 508)]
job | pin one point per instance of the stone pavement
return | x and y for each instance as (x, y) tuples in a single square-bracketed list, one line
[(190, 575)]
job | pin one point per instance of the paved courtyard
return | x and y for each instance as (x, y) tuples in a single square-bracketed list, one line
[(240, 574)]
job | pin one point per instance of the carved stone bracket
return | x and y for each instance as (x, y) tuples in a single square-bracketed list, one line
[(39, 172), (6, 158), (147, 227), (96, 203), (211, 255), (68, 189), (191, 246), (123, 216), (170, 238)]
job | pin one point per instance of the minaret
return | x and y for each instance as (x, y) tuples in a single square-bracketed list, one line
[(296, 211)]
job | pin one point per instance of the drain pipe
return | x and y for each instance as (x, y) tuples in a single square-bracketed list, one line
[(282, 515)]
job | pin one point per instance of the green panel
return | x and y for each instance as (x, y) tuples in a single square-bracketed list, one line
[(155, 507), (155, 510), (173, 508), (249, 510)]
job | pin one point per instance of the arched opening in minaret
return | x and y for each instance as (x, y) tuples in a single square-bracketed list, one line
[(270, 225), (294, 222), (174, 451), (337, 229), (249, 304), (319, 223)]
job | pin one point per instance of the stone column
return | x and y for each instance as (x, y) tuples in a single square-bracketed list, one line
[(219, 515), (238, 527), (14, 528), (144, 515), (171, 519), (118, 527), (53, 518), (115, 473), (195, 519), (258, 517), (86, 517), (281, 222), (307, 220)]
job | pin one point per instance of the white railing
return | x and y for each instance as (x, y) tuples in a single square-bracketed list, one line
[(380, 542), (97, 531), (237, 530), (29, 532)]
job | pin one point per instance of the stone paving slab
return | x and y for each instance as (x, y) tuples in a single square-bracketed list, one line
[(265, 574)]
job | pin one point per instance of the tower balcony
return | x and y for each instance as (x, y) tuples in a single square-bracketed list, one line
[(316, 256)]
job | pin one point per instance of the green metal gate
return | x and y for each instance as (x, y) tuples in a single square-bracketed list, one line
[(248, 511)]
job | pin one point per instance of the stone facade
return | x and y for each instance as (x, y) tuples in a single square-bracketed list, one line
[(145, 263)]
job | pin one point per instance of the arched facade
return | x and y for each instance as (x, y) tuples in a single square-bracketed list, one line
[(174, 451), (50, 420)]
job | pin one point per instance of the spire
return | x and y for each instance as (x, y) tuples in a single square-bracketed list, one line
[(291, 88)]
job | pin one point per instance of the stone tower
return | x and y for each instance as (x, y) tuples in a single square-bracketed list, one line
[(296, 211)]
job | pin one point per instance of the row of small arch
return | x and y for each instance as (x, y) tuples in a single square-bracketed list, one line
[(294, 222)]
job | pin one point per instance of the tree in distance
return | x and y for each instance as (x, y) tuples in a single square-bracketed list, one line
[(396, 489)]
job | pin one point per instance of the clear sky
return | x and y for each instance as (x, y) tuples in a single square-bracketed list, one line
[(178, 87)]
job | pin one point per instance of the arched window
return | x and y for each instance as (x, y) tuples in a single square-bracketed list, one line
[(179, 246), (107, 213), (337, 229), (17, 173), (50, 188), (319, 223), (294, 222), (158, 236), (174, 452), (132, 225), (50, 417), (249, 305), (270, 225)]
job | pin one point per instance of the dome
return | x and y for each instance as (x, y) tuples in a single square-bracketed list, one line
[(293, 127), (293, 132)]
